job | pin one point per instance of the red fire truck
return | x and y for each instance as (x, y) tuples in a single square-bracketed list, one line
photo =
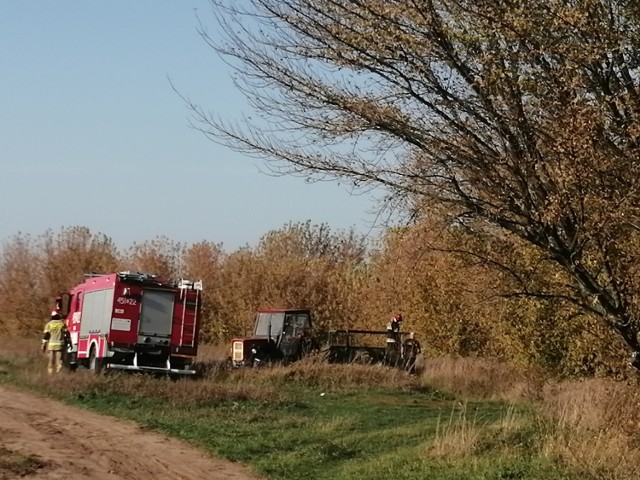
[(133, 321)]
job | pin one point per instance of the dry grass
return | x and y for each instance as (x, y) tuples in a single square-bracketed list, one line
[(511, 421), (316, 374), (213, 353), (23, 355), (462, 436), (218, 382), (458, 437), (594, 427), (310, 372), (590, 425), (185, 392), (20, 347), (481, 378), (595, 405)]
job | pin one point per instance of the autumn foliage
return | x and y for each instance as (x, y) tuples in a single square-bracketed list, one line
[(516, 122), (457, 304)]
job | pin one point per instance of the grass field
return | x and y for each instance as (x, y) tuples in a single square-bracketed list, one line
[(316, 421)]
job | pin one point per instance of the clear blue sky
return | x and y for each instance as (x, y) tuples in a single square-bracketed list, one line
[(92, 134)]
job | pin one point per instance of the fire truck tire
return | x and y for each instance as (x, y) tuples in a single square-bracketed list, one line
[(95, 363)]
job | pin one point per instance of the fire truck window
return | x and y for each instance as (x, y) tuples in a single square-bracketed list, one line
[(67, 302), (63, 304), (78, 301)]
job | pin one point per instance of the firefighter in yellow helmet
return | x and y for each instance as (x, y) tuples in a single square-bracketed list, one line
[(54, 341)]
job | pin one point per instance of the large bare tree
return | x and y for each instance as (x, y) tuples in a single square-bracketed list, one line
[(516, 115)]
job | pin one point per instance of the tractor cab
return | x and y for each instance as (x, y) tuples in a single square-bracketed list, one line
[(278, 335)]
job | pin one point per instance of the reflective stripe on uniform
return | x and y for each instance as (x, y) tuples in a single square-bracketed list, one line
[(55, 329)]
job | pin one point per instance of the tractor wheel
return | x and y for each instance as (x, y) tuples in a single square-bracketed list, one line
[(325, 355), (309, 347)]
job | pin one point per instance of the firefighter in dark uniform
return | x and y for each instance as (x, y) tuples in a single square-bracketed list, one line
[(54, 341), (411, 348), (393, 353)]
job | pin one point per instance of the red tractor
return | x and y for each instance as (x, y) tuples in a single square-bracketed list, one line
[(278, 335)]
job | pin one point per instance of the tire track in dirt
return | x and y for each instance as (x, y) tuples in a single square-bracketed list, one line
[(75, 444)]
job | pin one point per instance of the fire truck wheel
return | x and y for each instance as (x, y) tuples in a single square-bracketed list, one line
[(95, 363)]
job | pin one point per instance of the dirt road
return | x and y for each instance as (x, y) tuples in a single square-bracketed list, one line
[(43, 439)]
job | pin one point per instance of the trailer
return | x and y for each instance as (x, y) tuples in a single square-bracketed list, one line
[(285, 335), (355, 346), (133, 321)]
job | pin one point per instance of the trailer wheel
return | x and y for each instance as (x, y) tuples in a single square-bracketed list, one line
[(95, 363), (362, 358)]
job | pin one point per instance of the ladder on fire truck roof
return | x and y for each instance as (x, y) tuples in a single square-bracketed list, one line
[(136, 276), (185, 285)]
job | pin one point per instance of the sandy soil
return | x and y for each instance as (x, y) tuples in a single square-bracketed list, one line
[(44, 439)]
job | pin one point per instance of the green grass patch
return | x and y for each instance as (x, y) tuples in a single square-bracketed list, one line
[(288, 424), (367, 434)]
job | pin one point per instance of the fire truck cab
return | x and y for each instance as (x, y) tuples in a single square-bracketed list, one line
[(133, 321)]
